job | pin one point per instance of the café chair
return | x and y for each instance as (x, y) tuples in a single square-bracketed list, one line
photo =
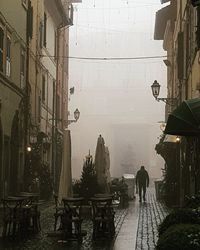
[(59, 211), (31, 211), (72, 217), (13, 219), (102, 217)]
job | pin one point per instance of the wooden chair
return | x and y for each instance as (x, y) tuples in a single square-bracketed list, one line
[(59, 211), (102, 217), (35, 217), (31, 211), (13, 217), (72, 217)]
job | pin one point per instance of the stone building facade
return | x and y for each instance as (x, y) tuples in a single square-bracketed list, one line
[(178, 25), (12, 93), (34, 37)]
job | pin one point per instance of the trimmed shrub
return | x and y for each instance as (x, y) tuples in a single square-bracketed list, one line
[(192, 201), (76, 187), (180, 237), (88, 182), (87, 186), (181, 216)]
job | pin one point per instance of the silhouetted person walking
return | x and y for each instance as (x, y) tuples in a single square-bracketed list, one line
[(142, 182)]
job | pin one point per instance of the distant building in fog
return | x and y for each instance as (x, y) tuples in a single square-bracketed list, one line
[(133, 146)]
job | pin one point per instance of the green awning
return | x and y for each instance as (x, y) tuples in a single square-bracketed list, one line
[(185, 119)]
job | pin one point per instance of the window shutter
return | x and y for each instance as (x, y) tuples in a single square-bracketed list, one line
[(180, 56), (30, 20), (1, 48), (43, 88), (45, 30), (198, 28)]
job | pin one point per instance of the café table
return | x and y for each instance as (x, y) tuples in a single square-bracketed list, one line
[(102, 217), (72, 217), (100, 195), (33, 197)]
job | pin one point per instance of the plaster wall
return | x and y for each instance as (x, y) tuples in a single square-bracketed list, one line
[(10, 88)]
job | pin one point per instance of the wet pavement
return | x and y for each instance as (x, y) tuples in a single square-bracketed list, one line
[(139, 229), (136, 228), (151, 214), (126, 238)]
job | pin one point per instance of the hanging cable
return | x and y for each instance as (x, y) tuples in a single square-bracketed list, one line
[(110, 58)]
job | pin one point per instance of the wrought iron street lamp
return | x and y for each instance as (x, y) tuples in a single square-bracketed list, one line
[(68, 122), (76, 117), (155, 87)]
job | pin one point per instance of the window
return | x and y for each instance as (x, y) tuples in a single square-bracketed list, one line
[(39, 109), (1, 48), (198, 28), (30, 21), (43, 88), (41, 34), (22, 69), (8, 57), (180, 55), (71, 14), (45, 30), (58, 106)]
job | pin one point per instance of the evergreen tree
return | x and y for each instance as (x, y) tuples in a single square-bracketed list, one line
[(89, 185)]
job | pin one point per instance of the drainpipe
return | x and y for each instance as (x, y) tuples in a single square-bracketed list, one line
[(26, 98), (53, 139), (36, 70)]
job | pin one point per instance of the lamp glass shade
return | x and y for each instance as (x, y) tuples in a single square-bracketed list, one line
[(155, 87), (76, 114)]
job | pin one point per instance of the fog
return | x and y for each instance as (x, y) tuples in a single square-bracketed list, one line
[(114, 96)]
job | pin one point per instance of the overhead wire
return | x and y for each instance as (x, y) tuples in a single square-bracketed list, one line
[(110, 58), (120, 8)]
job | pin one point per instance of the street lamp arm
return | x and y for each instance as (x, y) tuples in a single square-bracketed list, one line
[(70, 121), (56, 119), (169, 101), (66, 122)]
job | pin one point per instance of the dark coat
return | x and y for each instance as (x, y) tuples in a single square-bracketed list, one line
[(142, 178)]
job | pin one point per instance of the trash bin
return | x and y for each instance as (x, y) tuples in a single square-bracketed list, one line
[(130, 181)]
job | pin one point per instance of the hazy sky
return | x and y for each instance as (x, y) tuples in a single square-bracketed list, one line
[(114, 92)]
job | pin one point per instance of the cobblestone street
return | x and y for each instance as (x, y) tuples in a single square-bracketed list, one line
[(136, 228), (45, 242), (151, 214)]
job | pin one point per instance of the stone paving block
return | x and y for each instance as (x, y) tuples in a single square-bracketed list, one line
[(151, 215)]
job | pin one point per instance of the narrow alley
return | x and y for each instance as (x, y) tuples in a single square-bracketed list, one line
[(99, 124)]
